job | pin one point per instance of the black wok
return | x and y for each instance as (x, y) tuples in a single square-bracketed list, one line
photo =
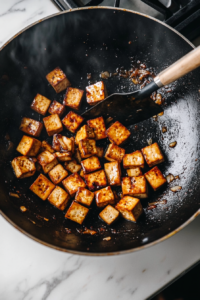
[(92, 40)]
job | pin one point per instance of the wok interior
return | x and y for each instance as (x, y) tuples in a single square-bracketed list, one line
[(91, 41)]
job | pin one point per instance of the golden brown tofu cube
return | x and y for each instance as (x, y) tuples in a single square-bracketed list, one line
[(73, 98), (65, 156), (109, 214), (40, 104), (31, 127), (53, 124), (113, 173), (59, 198), (96, 93), (135, 186), (99, 127), (118, 133), (29, 146), (77, 213), (155, 178), (84, 196), (57, 174), (23, 167), (114, 153), (87, 148), (81, 173), (72, 183), (45, 146), (84, 133), (42, 187), (104, 197), (77, 155), (56, 108), (58, 80), (63, 144), (72, 121), (133, 160), (72, 166), (96, 180), (70, 143), (100, 152), (47, 160), (153, 155), (91, 164), (134, 172), (130, 208)]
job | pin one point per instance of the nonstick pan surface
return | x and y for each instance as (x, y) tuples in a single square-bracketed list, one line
[(92, 40)]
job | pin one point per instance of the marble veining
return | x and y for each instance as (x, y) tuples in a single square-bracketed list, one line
[(30, 271)]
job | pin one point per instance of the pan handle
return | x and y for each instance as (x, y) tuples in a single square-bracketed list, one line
[(186, 64)]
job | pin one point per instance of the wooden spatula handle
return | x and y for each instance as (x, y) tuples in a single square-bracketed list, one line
[(181, 67)]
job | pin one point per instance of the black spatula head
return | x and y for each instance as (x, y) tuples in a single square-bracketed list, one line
[(124, 108)]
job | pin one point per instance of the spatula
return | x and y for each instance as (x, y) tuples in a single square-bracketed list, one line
[(134, 107)]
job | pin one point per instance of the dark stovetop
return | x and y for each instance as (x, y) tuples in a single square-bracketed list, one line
[(183, 15)]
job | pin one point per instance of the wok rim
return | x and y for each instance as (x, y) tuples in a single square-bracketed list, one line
[(197, 213)]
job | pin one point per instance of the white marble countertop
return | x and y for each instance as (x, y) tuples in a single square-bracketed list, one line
[(30, 271)]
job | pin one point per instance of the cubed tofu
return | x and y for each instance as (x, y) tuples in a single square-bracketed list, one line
[(81, 173), (58, 80), (104, 197), (113, 173), (65, 156), (57, 174), (99, 127), (155, 178), (84, 133), (73, 98), (96, 180), (53, 124), (23, 167), (42, 187), (59, 198), (72, 121), (40, 104), (70, 144), (45, 146), (84, 196), (133, 160), (135, 186), (109, 214), (47, 160), (100, 152), (90, 164), (72, 183), (117, 133), (87, 148), (63, 144), (134, 172), (31, 127), (153, 155), (114, 153), (72, 166), (77, 213), (29, 146), (130, 208), (96, 93), (56, 108)]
